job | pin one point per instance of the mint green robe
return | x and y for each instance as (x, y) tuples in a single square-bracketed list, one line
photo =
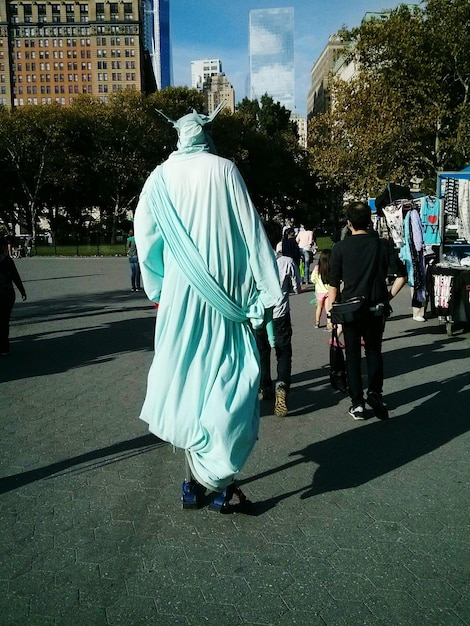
[(202, 391)]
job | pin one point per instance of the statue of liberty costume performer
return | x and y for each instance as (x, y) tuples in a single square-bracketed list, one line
[(206, 260)]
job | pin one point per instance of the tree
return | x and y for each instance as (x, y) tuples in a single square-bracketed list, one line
[(263, 142), (31, 141), (406, 111)]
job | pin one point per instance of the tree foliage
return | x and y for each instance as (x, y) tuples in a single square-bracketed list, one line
[(406, 111), (82, 168)]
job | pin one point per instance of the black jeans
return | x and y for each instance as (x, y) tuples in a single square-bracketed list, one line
[(7, 300), (283, 341), (370, 328)]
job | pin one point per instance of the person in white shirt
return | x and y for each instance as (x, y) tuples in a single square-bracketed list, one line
[(306, 240)]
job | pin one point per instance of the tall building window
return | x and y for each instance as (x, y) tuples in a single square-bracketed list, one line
[(28, 13), (100, 11), (113, 11), (84, 13), (70, 13), (128, 15), (41, 13), (56, 13)]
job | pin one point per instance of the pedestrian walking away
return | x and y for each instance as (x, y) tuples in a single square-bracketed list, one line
[(132, 255), (290, 281), (9, 277), (361, 263), (206, 260)]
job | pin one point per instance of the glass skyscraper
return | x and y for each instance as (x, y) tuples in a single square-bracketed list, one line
[(157, 40), (271, 55)]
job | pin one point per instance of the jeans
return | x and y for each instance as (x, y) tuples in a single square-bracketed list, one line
[(135, 272), (308, 256), (283, 349), (370, 328)]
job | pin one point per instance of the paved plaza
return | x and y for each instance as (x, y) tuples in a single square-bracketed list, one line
[(352, 523)]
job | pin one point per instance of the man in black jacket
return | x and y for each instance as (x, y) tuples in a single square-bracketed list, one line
[(362, 263)]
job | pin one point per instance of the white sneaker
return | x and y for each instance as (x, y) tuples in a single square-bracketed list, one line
[(356, 412), (419, 318)]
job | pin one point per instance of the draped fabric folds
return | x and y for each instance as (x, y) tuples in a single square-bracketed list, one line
[(210, 266)]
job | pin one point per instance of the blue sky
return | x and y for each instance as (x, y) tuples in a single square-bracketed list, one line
[(219, 29)]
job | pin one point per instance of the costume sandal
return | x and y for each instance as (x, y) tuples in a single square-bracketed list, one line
[(189, 494), (231, 500)]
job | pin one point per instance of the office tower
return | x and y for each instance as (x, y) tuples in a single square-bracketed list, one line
[(52, 51), (156, 38), (203, 69), (318, 97), (271, 55), (217, 89)]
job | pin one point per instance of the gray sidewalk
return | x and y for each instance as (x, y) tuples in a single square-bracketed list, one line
[(353, 522)]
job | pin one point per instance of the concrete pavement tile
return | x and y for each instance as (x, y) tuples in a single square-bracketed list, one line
[(12, 567), (214, 613), (462, 608), (351, 561), (304, 596), (256, 607), (132, 610), (31, 584), (429, 567), (118, 567), (54, 602), (102, 592), (226, 589), (84, 616), (54, 559), (300, 618), (438, 617), (316, 545), (238, 564), (274, 579), (168, 619), (347, 587), (434, 592), (345, 614), (13, 609), (96, 551), (392, 606), (164, 555), (389, 576)]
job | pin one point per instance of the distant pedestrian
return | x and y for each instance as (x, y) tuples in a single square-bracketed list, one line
[(306, 241), (8, 278), (319, 279), (290, 247), (29, 247), (133, 261)]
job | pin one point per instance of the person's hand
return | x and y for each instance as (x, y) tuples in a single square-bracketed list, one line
[(24, 297)]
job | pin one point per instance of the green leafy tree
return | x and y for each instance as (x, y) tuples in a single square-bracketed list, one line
[(405, 112), (31, 141)]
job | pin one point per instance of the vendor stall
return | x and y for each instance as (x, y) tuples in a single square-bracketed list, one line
[(448, 282)]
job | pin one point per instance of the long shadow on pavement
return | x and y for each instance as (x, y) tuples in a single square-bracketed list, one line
[(375, 448), (117, 451)]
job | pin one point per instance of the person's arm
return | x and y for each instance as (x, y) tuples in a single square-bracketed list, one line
[(17, 280), (150, 243), (334, 277), (397, 285)]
